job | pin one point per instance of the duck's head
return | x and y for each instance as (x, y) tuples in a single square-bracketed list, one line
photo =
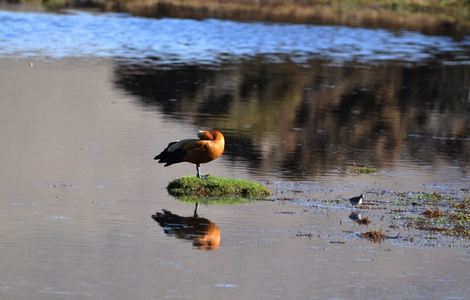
[(209, 134)]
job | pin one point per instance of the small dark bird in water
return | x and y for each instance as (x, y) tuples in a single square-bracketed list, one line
[(356, 201), (208, 147)]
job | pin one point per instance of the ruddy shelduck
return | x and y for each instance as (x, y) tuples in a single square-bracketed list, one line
[(208, 147), (204, 234)]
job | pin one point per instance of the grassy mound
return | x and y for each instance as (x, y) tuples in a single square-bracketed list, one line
[(215, 189)]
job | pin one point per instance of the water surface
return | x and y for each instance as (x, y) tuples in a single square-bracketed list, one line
[(87, 100), (210, 41), (297, 122), (331, 95)]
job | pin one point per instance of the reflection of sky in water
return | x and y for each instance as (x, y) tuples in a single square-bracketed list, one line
[(177, 40)]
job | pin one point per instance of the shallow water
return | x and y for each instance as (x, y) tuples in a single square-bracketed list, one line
[(82, 121), (172, 41)]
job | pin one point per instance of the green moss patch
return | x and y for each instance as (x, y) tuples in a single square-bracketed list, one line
[(364, 170), (452, 221), (216, 189)]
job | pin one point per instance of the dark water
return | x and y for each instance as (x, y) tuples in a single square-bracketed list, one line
[(294, 100), (302, 121)]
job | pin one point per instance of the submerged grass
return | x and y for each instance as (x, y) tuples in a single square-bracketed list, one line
[(216, 189), (363, 221), (376, 236), (433, 213), (454, 221), (364, 170), (423, 198)]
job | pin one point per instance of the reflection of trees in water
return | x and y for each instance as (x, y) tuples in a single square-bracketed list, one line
[(313, 118)]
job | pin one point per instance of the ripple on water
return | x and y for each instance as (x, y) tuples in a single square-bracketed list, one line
[(79, 34)]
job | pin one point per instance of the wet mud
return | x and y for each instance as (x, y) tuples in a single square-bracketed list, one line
[(437, 217)]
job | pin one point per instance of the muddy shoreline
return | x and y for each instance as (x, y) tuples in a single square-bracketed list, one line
[(433, 216)]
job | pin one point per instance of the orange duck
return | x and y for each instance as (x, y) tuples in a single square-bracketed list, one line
[(208, 147), (204, 234)]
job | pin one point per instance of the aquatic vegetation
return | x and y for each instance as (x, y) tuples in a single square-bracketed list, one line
[(459, 230), (455, 222), (462, 205), (363, 221), (216, 189), (431, 197), (364, 169), (433, 213), (376, 236), (438, 214), (422, 198), (461, 217)]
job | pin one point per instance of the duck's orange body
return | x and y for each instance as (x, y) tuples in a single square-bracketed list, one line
[(204, 234), (208, 147)]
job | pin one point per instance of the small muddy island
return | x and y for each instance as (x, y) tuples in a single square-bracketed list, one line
[(215, 188)]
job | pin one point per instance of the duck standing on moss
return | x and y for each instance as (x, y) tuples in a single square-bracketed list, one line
[(208, 147)]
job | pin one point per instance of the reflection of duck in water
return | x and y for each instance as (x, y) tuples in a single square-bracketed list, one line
[(359, 219), (208, 147), (204, 234), (355, 216)]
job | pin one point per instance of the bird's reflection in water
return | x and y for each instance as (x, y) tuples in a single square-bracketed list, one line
[(204, 234), (359, 219), (355, 216)]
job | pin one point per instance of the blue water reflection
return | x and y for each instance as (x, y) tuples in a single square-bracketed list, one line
[(81, 34)]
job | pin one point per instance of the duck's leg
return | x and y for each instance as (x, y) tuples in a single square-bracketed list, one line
[(195, 210), (198, 170)]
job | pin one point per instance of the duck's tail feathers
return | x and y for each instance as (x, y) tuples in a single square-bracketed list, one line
[(168, 220), (170, 157)]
